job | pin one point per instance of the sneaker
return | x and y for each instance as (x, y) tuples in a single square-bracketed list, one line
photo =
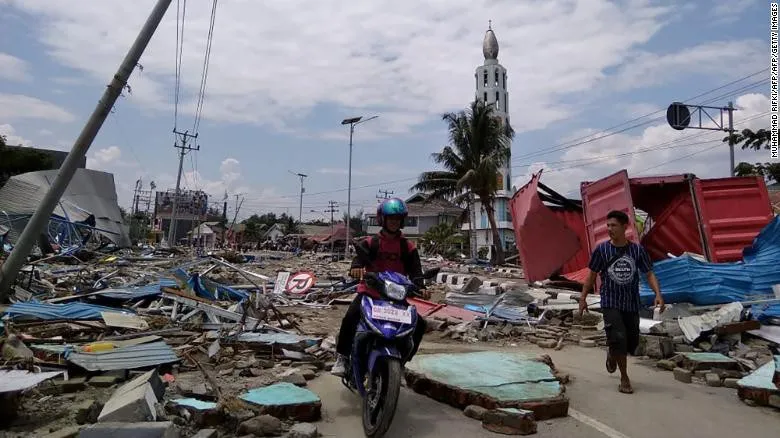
[(340, 367)]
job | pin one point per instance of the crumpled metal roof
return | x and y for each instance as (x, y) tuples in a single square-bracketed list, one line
[(69, 311), (89, 192), (685, 279), (124, 358)]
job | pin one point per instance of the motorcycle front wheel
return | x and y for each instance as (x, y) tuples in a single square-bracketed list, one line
[(382, 398)]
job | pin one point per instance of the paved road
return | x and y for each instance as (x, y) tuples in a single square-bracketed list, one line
[(659, 407)]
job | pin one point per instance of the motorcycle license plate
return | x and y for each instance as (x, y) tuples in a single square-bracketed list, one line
[(388, 313)]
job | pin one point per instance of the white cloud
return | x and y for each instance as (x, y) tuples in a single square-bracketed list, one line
[(273, 63), (658, 149), (108, 159), (730, 10), (17, 106), (13, 68), (12, 138), (731, 59)]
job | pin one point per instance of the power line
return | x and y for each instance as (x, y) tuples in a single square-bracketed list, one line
[(180, 13), (205, 72)]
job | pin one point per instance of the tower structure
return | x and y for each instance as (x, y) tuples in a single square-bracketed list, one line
[(491, 88)]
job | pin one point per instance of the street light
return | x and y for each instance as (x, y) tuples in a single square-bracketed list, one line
[(352, 122), (300, 204)]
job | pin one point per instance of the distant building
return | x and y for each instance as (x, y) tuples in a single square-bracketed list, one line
[(422, 216), (191, 208)]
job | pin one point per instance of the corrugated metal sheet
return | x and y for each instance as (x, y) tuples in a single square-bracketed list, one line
[(69, 311), (733, 211), (601, 197), (684, 279), (544, 241), (19, 380), (125, 358)]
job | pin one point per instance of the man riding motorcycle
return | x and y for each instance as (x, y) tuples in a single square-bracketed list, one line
[(389, 250)]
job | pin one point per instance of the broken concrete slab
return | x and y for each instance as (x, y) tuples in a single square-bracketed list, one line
[(134, 405), (490, 379), (67, 432), (162, 429), (509, 421), (683, 375), (199, 412), (87, 411), (758, 386), (151, 377), (206, 433), (285, 400), (103, 381), (706, 361)]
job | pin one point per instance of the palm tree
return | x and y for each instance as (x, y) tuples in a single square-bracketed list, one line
[(479, 144), (755, 140)]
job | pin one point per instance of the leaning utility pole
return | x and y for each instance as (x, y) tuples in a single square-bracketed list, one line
[(42, 214), (183, 149), (332, 209)]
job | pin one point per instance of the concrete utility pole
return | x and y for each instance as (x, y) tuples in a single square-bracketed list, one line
[(300, 204), (183, 149), (352, 122), (332, 209), (42, 214)]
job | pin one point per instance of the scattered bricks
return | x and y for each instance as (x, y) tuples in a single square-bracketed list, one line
[(774, 401), (683, 375), (71, 385), (103, 381), (262, 425), (730, 382), (68, 432), (547, 343), (475, 412), (701, 374), (658, 347), (162, 429), (666, 364), (137, 404), (509, 421), (588, 343), (206, 433), (683, 348), (87, 412), (713, 380), (303, 430)]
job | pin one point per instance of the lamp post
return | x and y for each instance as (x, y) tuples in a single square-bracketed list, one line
[(300, 204), (352, 122)]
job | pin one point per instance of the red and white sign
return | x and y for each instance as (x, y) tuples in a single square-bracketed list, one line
[(300, 283)]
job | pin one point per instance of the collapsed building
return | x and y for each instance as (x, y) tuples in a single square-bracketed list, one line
[(87, 213)]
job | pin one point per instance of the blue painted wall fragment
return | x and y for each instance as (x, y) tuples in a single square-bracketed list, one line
[(762, 377), (280, 394), (195, 403)]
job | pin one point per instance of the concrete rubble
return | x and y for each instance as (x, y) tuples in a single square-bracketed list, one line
[(172, 343)]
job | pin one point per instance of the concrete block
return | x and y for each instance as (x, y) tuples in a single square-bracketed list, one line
[(683, 375), (87, 411), (206, 433), (134, 405), (74, 384), (67, 432), (163, 429), (730, 382), (474, 411), (303, 430), (103, 381), (713, 380), (151, 377), (509, 421), (667, 365)]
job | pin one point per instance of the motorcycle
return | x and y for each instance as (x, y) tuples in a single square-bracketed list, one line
[(382, 346)]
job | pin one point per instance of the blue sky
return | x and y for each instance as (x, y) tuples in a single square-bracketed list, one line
[(282, 77)]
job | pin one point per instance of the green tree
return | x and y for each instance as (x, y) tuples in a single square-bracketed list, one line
[(355, 224), (442, 239), (479, 144), (15, 161), (255, 227), (289, 225), (755, 140)]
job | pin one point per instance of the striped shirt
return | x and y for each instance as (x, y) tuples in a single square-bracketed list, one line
[(619, 270)]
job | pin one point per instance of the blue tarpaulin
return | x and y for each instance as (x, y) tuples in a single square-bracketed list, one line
[(208, 289), (764, 313), (131, 293), (69, 311), (685, 279)]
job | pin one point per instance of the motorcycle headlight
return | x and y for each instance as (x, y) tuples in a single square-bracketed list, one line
[(395, 291)]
